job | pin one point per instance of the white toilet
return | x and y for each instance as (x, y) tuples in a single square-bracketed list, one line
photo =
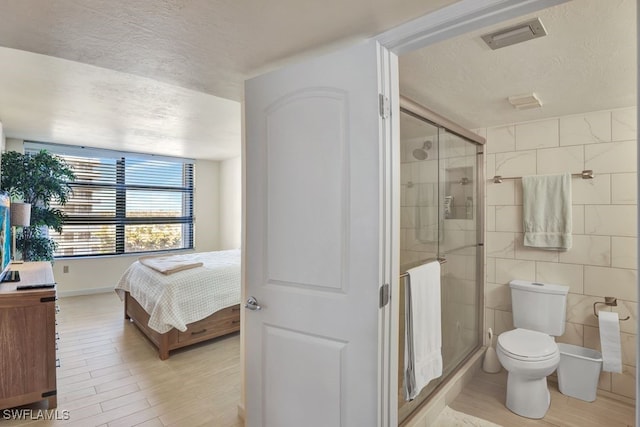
[(530, 353)]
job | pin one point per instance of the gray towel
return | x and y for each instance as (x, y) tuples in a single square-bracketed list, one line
[(546, 211)]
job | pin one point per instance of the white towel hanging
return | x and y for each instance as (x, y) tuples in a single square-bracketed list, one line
[(423, 341)]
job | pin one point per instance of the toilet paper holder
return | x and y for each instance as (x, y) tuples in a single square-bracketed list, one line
[(610, 301)]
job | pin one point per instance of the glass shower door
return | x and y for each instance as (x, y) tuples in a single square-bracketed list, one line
[(458, 198), (441, 218)]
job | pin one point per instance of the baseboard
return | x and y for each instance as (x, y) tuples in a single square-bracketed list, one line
[(79, 292)]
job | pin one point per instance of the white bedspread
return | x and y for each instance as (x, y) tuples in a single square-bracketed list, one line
[(175, 300)]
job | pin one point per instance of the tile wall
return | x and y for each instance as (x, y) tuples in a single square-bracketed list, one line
[(602, 261)]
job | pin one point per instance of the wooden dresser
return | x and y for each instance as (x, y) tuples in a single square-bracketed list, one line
[(28, 338)]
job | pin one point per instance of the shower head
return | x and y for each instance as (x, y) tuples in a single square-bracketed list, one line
[(421, 153)]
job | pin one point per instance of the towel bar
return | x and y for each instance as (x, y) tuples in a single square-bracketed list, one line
[(425, 261), (585, 174), (610, 301)]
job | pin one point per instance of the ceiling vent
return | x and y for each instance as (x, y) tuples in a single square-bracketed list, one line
[(516, 34), (526, 101)]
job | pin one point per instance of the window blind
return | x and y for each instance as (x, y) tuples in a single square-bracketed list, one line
[(124, 202)]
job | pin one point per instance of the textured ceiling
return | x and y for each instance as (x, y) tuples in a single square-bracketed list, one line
[(208, 47), (166, 76), (204, 45), (587, 62), (48, 99)]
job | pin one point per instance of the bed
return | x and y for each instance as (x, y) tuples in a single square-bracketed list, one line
[(195, 304)]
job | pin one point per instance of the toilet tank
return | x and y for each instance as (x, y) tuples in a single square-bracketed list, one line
[(539, 306)]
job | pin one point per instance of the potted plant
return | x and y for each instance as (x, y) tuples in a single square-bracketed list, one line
[(39, 179)]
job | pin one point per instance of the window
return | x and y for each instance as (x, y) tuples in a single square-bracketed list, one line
[(124, 202)]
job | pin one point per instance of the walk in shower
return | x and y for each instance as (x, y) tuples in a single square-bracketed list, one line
[(442, 216)]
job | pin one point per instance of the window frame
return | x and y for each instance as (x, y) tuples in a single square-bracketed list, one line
[(120, 187)]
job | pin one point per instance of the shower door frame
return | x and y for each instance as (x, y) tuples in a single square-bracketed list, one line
[(417, 110)]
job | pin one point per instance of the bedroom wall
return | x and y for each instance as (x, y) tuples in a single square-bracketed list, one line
[(231, 203), (100, 274), (207, 206)]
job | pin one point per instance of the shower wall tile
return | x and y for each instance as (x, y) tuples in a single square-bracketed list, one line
[(592, 191), (415, 168), (407, 217), (587, 128), (503, 321), (624, 189), (587, 249), (517, 191), (628, 344), (533, 254), (508, 218), (573, 334), (624, 125), (501, 139), (500, 194), (577, 219), (560, 160), (490, 272), (612, 220), (490, 161), (500, 245), (615, 282), (516, 163), (533, 135), (427, 171), (624, 383), (580, 309), (611, 157), (604, 382), (561, 274), (497, 296), (490, 218), (592, 337), (624, 251), (511, 269)]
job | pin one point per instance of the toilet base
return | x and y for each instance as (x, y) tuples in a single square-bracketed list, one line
[(527, 397)]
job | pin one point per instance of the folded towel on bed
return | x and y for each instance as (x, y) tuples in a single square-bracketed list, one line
[(168, 264)]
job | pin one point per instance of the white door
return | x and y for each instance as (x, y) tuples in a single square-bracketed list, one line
[(315, 240)]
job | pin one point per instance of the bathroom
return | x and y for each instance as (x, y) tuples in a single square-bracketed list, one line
[(547, 140)]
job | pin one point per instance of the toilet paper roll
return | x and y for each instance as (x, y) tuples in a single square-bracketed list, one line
[(610, 341)]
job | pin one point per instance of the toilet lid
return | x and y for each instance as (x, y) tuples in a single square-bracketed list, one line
[(524, 343)]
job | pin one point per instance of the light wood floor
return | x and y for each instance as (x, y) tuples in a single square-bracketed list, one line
[(111, 376), (484, 398)]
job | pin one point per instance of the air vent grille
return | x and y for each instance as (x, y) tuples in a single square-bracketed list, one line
[(515, 34)]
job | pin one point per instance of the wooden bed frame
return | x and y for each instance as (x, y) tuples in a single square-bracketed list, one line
[(222, 322)]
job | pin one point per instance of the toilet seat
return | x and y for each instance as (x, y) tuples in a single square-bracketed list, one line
[(528, 346)]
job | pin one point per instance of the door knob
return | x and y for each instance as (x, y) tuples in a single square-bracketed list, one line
[(252, 304)]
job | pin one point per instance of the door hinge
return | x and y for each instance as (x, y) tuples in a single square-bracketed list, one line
[(384, 295), (385, 108)]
